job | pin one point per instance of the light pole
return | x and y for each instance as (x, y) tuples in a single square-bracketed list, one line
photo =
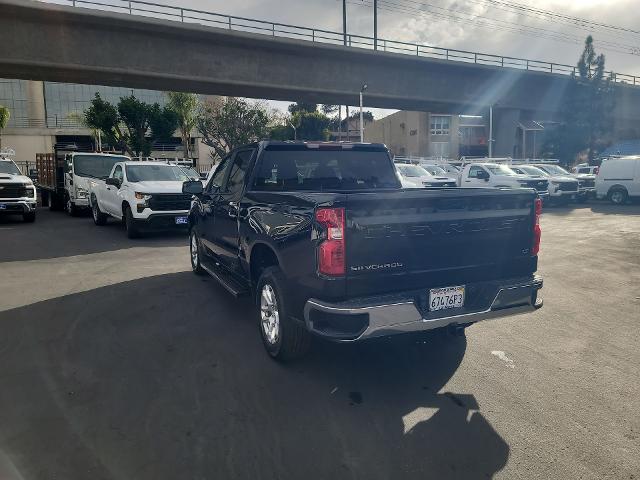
[(295, 130), (364, 87), (491, 131), (375, 24), (344, 21)]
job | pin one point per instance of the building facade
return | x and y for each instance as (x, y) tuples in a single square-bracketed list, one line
[(45, 114), (424, 134)]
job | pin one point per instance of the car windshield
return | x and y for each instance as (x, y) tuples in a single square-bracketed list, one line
[(412, 171), (95, 166), (334, 170), (553, 169), (9, 167), (533, 171), (156, 173), (434, 170), (501, 170), (192, 173)]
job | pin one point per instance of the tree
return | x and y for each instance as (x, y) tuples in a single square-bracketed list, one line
[(230, 123), (585, 111), (185, 106), (5, 114), (311, 125), (133, 125), (302, 107), (103, 116)]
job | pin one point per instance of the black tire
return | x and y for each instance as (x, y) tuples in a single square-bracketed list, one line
[(196, 266), (71, 208), (29, 217), (130, 224), (99, 218), (618, 195), (56, 202), (293, 339)]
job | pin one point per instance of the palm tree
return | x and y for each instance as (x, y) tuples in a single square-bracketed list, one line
[(5, 114), (185, 106)]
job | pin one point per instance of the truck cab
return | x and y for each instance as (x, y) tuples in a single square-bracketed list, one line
[(80, 169), (17, 192), (475, 175)]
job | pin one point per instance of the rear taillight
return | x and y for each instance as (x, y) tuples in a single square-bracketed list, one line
[(537, 233), (331, 252)]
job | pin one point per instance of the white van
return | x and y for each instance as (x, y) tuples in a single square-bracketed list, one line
[(619, 179)]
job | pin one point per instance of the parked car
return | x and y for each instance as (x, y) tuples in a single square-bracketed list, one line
[(450, 170), (440, 173), (496, 175), (415, 176), (325, 241), (17, 192), (619, 179), (145, 195), (563, 187)]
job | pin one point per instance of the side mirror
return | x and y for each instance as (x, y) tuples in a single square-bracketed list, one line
[(112, 181), (193, 187)]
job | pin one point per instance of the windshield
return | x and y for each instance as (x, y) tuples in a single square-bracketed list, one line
[(9, 167), (95, 166), (434, 169), (501, 170), (553, 169), (156, 173), (412, 171), (534, 171), (289, 170), (192, 173)]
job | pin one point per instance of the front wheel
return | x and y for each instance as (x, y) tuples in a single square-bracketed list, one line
[(29, 217), (194, 249), (71, 208), (130, 224), (99, 218), (283, 337)]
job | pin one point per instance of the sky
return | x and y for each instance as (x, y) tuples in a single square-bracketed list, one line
[(501, 27)]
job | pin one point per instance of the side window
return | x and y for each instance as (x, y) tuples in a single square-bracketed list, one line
[(117, 173), (238, 171), (475, 171), (219, 174)]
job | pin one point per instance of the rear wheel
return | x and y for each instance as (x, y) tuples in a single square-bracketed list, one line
[(29, 217), (99, 218), (130, 224), (194, 248), (283, 337), (618, 196)]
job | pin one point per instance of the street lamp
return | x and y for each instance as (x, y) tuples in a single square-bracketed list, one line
[(364, 87), (295, 130)]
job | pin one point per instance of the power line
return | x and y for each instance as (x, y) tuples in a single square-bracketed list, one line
[(487, 22)]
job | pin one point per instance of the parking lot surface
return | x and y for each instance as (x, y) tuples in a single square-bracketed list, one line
[(116, 362)]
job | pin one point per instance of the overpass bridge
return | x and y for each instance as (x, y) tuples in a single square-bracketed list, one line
[(161, 47)]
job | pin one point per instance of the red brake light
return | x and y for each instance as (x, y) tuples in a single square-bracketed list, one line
[(331, 252), (537, 232)]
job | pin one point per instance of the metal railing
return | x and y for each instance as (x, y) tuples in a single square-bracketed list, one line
[(274, 29)]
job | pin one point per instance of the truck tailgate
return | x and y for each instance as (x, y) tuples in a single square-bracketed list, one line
[(427, 238)]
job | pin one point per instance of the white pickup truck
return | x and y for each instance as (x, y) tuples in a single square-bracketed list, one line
[(144, 195), (485, 174), (17, 193)]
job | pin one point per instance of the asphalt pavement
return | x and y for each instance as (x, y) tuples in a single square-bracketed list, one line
[(116, 362)]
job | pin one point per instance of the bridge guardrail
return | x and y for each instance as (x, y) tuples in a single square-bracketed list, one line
[(274, 29)]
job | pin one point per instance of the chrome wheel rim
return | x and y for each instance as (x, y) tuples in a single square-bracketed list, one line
[(269, 314), (194, 250)]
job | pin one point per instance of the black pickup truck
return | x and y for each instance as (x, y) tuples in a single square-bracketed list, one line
[(325, 240)]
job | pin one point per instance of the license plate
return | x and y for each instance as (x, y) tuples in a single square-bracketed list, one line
[(3, 206), (446, 297), (181, 220)]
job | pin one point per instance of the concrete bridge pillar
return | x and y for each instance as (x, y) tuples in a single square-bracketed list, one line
[(505, 129)]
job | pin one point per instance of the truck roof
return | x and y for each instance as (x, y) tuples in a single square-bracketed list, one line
[(93, 154), (302, 144)]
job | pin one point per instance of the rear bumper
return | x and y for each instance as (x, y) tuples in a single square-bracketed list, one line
[(384, 316), (17, 206)]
